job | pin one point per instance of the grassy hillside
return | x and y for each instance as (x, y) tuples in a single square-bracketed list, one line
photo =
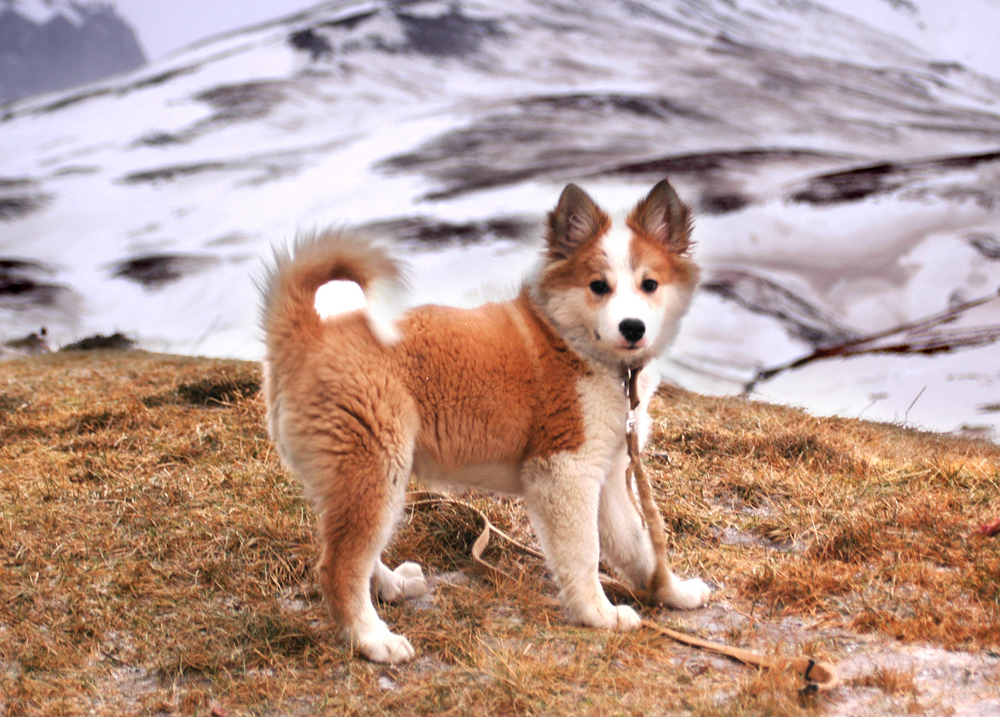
[(155, 558)]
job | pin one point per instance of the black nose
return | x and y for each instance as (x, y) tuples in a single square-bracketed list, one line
[(632, 329)]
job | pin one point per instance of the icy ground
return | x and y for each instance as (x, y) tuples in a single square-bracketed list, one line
[(846, 181)]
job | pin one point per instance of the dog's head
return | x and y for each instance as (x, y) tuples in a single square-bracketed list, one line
[(617, 290)]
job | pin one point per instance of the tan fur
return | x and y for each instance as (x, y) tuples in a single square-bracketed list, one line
[(665, 268), (500, 397)]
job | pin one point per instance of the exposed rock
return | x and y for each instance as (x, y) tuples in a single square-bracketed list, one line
[(116, 341), (33, 343), (87, 43)]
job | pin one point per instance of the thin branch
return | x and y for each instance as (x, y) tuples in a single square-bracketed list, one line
[(917, 337)]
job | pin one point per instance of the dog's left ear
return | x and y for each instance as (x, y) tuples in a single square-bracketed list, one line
[(664, 217)]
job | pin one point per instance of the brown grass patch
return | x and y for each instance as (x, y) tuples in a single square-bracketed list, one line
[(890, 680), (156, 558), (774, 694)]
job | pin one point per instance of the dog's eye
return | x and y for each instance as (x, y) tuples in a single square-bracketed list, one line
[(649, 285), (600, 287)]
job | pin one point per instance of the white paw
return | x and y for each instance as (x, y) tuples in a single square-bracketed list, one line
[(384, 646), (405, 581), (688, 595), (412, 579), (613, 617)]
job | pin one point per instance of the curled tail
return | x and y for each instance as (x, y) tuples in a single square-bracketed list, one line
[(288, 287)]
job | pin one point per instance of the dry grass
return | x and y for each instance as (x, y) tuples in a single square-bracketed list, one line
[(156, 559), (890, 680), (867, 524)]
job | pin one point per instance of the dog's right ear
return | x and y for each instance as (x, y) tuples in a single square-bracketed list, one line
[(574, 221)]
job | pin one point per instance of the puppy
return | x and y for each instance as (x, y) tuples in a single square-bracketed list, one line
[(523, 397)]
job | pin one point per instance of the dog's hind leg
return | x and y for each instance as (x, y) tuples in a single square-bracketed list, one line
[(406, 581), (356, 522)]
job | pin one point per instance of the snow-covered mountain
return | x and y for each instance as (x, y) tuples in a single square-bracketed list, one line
[(964, 32), (50, 45), (845, 181)]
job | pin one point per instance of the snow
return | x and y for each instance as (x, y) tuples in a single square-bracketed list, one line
[(841, 179), (963, 32)]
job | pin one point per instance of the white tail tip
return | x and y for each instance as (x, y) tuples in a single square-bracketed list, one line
[(335, 298)]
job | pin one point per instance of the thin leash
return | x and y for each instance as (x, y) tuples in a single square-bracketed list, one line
[(818, 676), (635, 472)]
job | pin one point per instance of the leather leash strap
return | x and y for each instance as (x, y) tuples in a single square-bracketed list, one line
[(650, 513), (819, 676), (480, 566)]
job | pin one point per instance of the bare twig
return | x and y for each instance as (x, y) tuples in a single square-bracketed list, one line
[(906, 416), (918, 337)]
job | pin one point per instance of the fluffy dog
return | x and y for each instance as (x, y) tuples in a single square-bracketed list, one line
[(523, 397)]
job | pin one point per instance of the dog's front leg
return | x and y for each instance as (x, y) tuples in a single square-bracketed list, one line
[(561, 495), (625, 542), (624, 539), (626, 545)]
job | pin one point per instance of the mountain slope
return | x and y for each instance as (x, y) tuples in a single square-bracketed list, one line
[(823, 157)]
